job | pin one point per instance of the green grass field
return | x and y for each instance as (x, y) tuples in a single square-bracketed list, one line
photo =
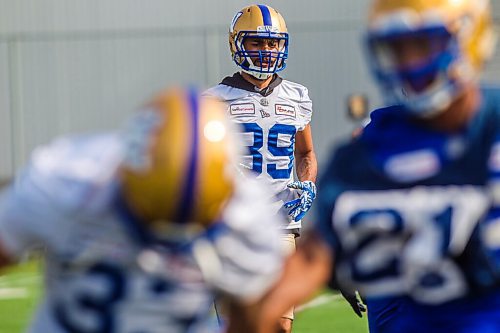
[(333, 316), (20, 288)]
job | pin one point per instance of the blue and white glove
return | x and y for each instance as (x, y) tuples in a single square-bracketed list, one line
[(300, 206)]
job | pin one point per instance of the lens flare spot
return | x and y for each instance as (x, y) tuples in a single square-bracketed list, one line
[(214, 131)]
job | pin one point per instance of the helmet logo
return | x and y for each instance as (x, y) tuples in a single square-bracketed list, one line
[(235, 19), (267, 28), (138, 139)]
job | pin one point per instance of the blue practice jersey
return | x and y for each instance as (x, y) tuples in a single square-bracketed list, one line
[(411, 213)]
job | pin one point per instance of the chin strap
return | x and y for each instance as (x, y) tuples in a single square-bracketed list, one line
[(258, 76)]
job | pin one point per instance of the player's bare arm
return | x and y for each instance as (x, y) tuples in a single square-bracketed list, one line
[(305, 272), (242, 317), (307, 165), (307, 169), (5, 259)]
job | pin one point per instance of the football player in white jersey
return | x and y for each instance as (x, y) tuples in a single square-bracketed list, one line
[(275, 115), (141, 227)]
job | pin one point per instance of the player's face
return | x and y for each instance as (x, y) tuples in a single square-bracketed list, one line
[(409, 51), (265, 45), (412, 53)]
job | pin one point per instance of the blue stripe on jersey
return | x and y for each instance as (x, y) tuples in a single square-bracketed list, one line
[(187, 199), (266, 15)]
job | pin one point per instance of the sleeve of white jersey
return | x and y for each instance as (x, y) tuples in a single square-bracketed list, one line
[(25, 214), (247, 259), (37, 208), (213, 92), (305, 109), (208, 92)]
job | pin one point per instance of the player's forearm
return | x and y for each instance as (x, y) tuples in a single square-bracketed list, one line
[(307, 166), (305, 272), (5, 259), (243, 318)]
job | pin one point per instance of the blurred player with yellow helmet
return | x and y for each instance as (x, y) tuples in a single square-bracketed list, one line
[(186, 158), (142, 228), (274, 114)]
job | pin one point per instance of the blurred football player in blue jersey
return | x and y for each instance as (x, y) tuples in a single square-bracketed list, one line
[(410, 211), (142, 227), (275, 115)]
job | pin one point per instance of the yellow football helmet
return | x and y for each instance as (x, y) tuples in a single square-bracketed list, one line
[(258, 21), (457, 36), (179, 160)]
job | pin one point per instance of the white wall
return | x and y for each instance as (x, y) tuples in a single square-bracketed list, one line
[(63, 16), (6, 145), (79, 65)]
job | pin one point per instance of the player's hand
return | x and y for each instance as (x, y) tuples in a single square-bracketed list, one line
[(300, 206), (355, 301)]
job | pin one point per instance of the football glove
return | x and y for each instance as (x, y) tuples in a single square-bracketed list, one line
[(300, 206), (355, 301)]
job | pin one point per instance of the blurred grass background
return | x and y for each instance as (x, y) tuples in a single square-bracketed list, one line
[(21, 288)]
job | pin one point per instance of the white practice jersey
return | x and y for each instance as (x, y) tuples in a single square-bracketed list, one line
[(100, 274), (270, 120)]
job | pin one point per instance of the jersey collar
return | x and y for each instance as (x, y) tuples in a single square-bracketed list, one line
[(237, 81)]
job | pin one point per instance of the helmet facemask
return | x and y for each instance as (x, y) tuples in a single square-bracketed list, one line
[(266, 62)]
